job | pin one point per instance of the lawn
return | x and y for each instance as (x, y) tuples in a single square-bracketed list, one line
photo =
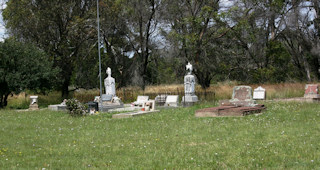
[(285, 136)]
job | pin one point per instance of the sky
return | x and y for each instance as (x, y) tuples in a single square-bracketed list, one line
[(2, 29)]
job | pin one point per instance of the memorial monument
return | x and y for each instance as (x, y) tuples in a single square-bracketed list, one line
[(189, 88), (109, 100)]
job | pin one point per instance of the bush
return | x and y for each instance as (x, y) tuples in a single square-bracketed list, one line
[(76, 108)]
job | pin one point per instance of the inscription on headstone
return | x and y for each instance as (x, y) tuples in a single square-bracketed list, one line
[(311, 91), (242, 93)]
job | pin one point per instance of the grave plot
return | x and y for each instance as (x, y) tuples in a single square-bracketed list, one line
[(241, 104)]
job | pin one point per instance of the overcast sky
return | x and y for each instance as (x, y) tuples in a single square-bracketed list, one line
[(2, 30)]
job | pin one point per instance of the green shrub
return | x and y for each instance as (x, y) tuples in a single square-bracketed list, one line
[(76, 108)]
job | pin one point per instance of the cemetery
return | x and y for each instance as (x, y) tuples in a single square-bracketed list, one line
[(154, 84)]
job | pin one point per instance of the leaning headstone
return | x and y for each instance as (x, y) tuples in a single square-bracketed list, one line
[(172, 100), (33, 103), (259, 93), (189, 87), (311, 91), (109, 84)]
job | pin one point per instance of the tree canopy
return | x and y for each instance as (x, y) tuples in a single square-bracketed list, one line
[(22, 67), (150, 41)]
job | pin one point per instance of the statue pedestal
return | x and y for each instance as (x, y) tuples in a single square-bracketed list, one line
[(189, 89)]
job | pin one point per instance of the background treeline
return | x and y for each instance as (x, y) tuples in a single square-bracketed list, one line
[(148, 42)]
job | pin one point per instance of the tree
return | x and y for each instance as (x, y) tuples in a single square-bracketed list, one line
[(141, 16), (61, 27), (196, 30), (23, 66)]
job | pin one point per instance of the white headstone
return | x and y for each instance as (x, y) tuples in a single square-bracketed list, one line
[(189, 86), (259, 93), (172, 100), (109, 84)]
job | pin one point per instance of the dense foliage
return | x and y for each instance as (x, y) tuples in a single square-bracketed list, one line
[(76, 108), (23, 66), (150, 41)]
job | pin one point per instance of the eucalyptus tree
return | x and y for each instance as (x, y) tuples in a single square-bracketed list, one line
[(197, 31)]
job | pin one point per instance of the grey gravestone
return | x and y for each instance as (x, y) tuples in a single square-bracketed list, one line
[(106, 97), (242, 96), (259, 93), (189, 87)]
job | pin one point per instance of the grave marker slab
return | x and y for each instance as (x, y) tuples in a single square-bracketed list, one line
[(311, 91), (259, 93), (172, 100)]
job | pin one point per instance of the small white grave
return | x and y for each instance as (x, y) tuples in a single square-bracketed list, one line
[(172, 100), (259, 93), (141, 100)]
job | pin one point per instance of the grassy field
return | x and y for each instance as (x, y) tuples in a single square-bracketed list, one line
[(285, 136)]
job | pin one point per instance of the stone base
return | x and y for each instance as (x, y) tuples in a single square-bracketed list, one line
[(190, 99), (57, 107), (240, 103), (312, 96), (34, 107), (223, 111), (132, 114), (105, 108)]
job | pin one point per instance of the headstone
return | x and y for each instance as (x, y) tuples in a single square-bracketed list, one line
[(172, 100), (33, 103), (109, 84), (259, 93), (161, 99), (189, 87), (311, 91), (141, 101), (241, 96)]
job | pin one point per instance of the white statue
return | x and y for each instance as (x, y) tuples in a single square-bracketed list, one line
[(109, 84), (189, 67)]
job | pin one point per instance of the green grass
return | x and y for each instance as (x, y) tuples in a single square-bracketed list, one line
[(286, 136)]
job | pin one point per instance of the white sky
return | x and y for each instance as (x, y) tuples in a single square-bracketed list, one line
[(2, 29)]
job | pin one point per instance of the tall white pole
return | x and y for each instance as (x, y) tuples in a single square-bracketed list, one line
[(98, 20)]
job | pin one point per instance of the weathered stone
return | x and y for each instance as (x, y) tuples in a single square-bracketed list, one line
[(132, 114), (189, 87), (242, 96), (311, 91), (259, 93), (228, 111)]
